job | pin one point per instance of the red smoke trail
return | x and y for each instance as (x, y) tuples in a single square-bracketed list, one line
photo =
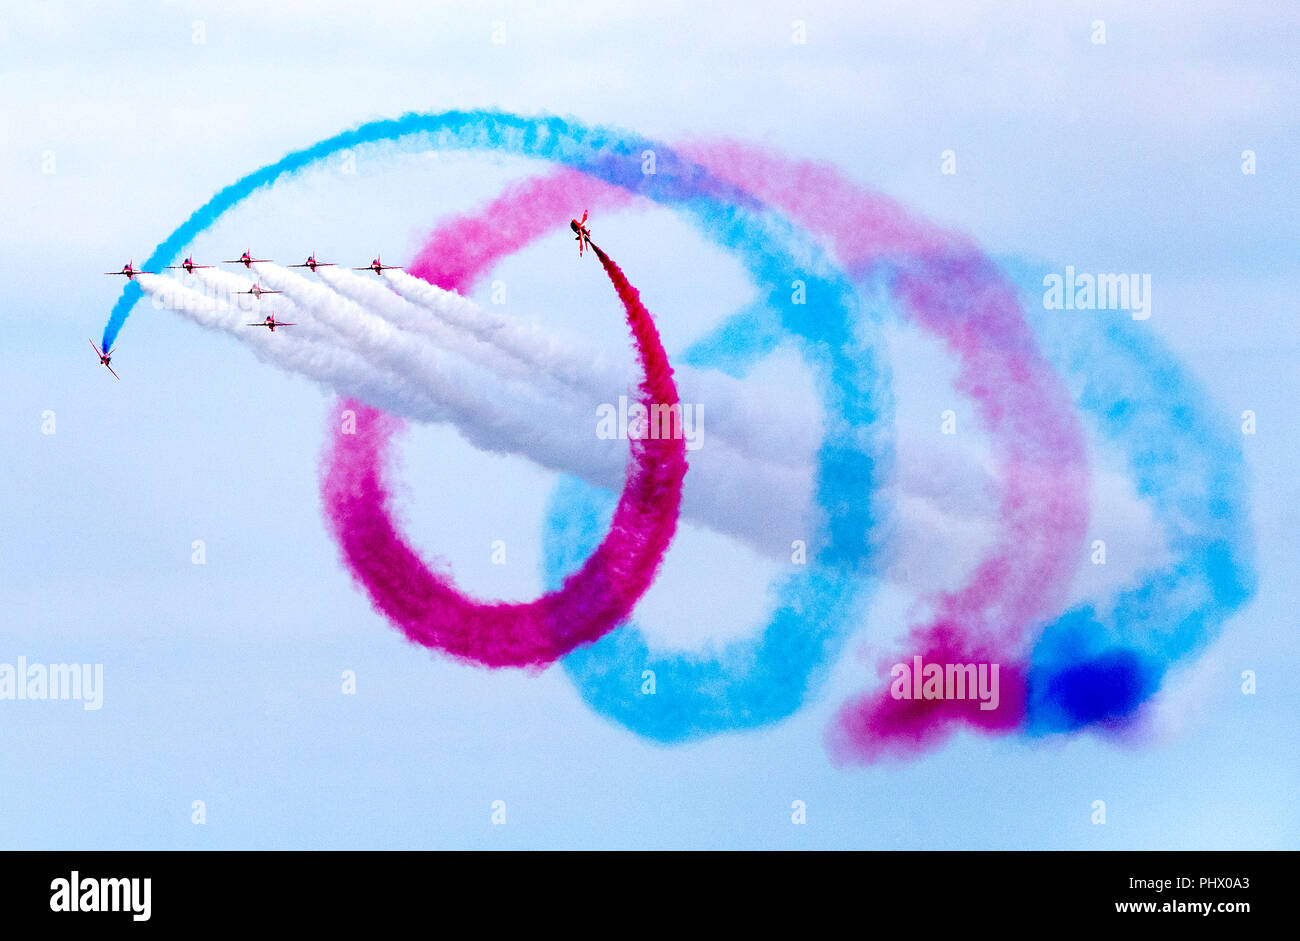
[(426, 604)]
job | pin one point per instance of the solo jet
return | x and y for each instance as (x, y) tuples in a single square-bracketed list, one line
[(583, 236), (106, 358)]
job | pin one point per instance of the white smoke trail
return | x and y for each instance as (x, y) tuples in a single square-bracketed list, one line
[(227, 288), (490, 406), (311, 347), (370, 293), (753, 424), (353, 351), (526, 342), (336, 368)]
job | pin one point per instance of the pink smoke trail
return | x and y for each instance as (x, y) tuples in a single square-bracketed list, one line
[(426, 604), (955, 293)]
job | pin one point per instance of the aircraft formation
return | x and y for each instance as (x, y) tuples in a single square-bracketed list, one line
[(129, 271)]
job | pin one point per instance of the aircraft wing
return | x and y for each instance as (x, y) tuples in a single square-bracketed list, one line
[(110, 369)]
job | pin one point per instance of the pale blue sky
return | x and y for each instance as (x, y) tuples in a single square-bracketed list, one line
[(222, 681)]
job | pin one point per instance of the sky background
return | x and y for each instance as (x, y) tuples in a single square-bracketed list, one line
[(222, 681)]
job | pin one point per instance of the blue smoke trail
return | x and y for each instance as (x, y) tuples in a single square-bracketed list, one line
[(610, 155), (1093, 669)]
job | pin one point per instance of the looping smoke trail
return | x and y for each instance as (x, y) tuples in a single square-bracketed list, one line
[(1090, 667), (768, 677), (427, 606), (953, 293), (1086, 669)]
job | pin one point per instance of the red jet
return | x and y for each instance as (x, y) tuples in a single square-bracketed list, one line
[(313, 264), (257, 290), (245, 259), (583, 237), (271, 323), (377, 266), (106, 358), (188, 265), (129, 270)]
